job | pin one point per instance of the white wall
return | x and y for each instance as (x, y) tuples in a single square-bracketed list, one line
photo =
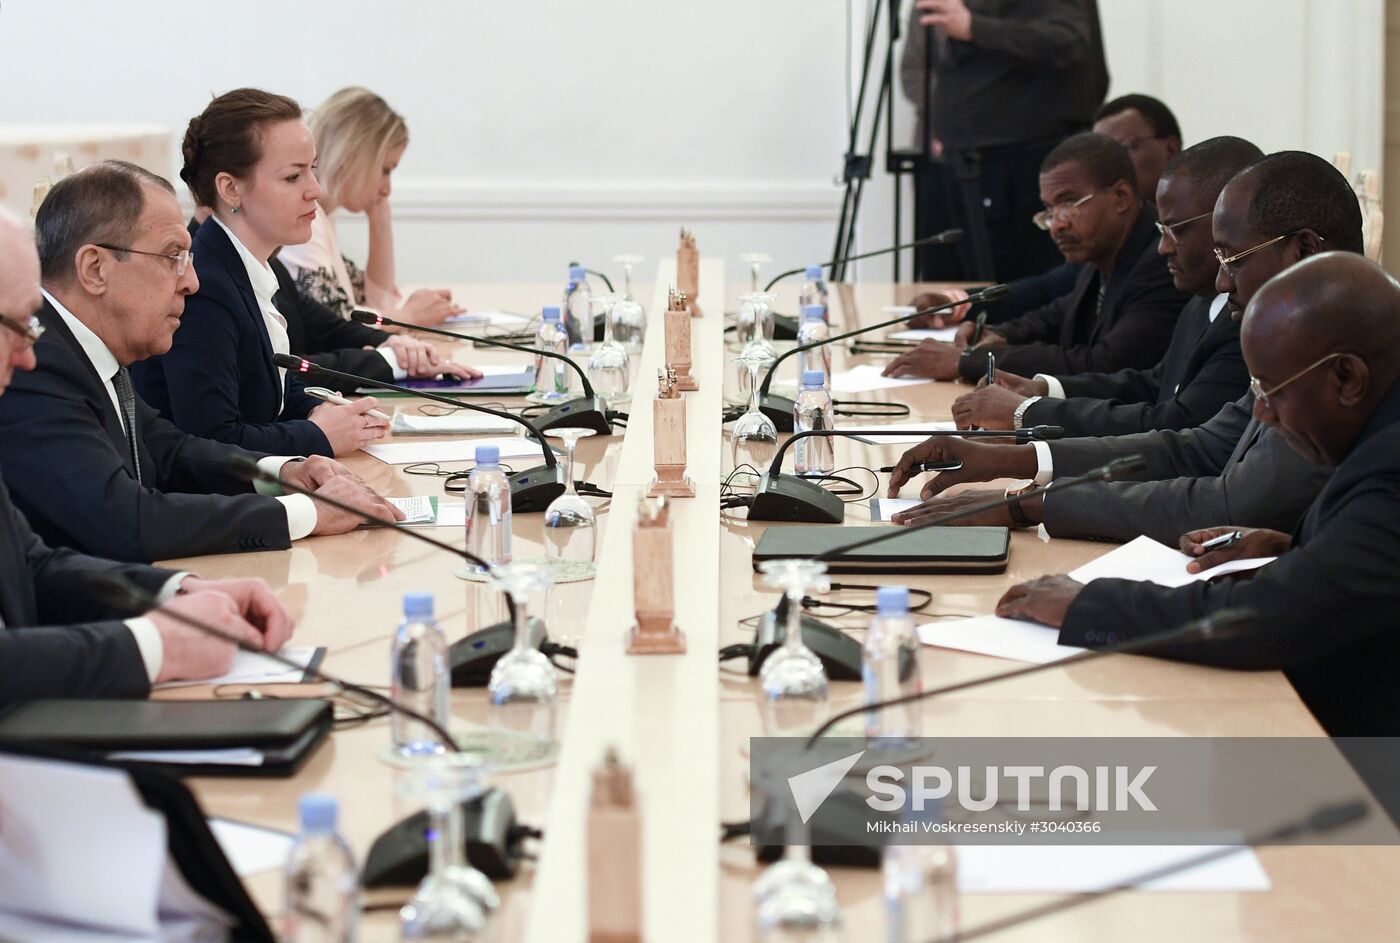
[(550, 129)]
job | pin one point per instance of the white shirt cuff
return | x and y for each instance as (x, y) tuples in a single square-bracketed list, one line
[(1045, 464), (149, 643), (272, 465), (393, 360), (1053, 387), (301, 515), (171, 587)]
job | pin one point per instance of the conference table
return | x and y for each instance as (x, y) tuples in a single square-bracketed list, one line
[(681, 723)]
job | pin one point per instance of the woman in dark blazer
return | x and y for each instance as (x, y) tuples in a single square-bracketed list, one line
[(249, 156)]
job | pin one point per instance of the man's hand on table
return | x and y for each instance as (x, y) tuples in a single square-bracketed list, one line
[(979, 462), (1045, 600)]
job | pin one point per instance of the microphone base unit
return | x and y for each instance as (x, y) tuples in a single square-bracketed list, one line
[(472, 658), (784, 327), (583, 413), (399, 857), (534, 488), (840, 654), (789, 498), (777, 408)]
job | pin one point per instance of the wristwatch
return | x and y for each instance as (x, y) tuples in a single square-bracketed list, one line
[(1015, 490), (1020, 414)]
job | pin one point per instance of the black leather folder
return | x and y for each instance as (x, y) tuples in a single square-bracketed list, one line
[(285, 730), (930, 550)]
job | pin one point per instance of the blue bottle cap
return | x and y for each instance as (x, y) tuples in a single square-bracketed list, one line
[(418, 605), (892, 600), (550, 314), (813, 379), (318, 812), (813, 313), (577, 273), (814, 273), (488, 455)]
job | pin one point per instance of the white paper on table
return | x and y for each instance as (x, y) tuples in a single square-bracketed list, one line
[(228, 756), (417, 508), (945, 334), (1075, 869), (866, 378), (461, 450), (1146, 559), (882, 509), (462, 422), (1004, 638), (251, 848), (505, 369), (508, 319), (256, 668), (449, 514), (913, 438)]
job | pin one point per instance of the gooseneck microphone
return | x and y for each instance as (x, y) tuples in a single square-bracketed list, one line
[(937, 239), (780, 497), (590, 411), (119, 592), (530, 490), (779, 408), (1222, 624)]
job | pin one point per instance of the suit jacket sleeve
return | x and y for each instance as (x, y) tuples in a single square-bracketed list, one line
[(1270, 486), (1034, 291), (97, 659), (326, 331), (1188, 453), (1051, 33), (201, 376), (1347, 572)]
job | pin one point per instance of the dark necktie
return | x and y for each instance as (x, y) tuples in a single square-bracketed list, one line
[(126, 398)]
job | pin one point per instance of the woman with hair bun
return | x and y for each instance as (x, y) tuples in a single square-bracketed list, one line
[(249, 157), (360, 141)]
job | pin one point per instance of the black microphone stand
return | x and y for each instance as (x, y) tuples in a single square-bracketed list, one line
[(937, 239)]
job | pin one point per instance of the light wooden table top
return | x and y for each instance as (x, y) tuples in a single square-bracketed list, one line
[(683, 721)]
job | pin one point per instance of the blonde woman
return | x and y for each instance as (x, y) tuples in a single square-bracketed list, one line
[(359, 143)]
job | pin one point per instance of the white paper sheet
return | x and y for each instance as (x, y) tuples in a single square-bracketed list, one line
[(232, 756), (502, 319), (1146, 559), (417, 508), (945, 334), (1073, 869), (1004, 638), (250, 848), (449, 514), (913, 438), (882, 509), (253, 668), (460, 450), (462, 422), (866, 378)]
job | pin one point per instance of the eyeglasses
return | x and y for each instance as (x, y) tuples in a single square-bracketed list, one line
[(1168, 230), (181, 259), (30, 330), (1228, 262), (1262, 395), (1060, 211)]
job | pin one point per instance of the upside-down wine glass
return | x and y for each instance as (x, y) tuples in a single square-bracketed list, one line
[(524, 687), (454, 900), (755, 261), (629, 318), (570, 527), (754, 438), (608, 365)]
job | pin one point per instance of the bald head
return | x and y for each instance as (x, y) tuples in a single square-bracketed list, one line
[(1323, 340)]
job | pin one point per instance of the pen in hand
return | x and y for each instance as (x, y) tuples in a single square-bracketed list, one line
[(924, 467), (1223, 541), (991, 368), (977, 324)]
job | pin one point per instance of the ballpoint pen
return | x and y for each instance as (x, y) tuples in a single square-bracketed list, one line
[(991, 368), (977, 324), (925, 467), (1224, 540), (330, 396)]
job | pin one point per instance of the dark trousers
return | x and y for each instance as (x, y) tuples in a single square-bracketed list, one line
[(932, 213)]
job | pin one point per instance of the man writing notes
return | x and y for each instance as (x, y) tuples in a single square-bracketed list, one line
[(1286, 207), (89, 463), (58, 639), (1123, 307)]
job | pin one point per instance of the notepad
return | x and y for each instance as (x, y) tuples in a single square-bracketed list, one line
[(506, 319), (429, 510), (462, 422), (1002, 638), (461, 450), (866, 378), (254, 668), (495, 378), (1147, 560)]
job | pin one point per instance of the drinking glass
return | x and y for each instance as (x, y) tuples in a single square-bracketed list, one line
[(454, 899), (523, 690), (570, 528), (755, 260), (753, 325), (754, 438), (629, 318), (609, 362)]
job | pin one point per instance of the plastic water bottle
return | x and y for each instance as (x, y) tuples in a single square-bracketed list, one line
[(812, 330), (890, 666), (420, 677), (920, 884), (322, 882), (578, 309), (488, 508), (553, 378), (813, 455), (813, 290)]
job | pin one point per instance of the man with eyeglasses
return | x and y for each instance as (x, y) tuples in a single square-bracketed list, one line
[(1202, 369), (1327, 606), (1123, 307), (89, 463), (1283, 208), (56, 638)]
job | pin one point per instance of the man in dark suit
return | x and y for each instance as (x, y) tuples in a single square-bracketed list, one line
[(57, 638), (1323, 343), (1202, 369), (1123, 307), (90, 464), (1286, 207)]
